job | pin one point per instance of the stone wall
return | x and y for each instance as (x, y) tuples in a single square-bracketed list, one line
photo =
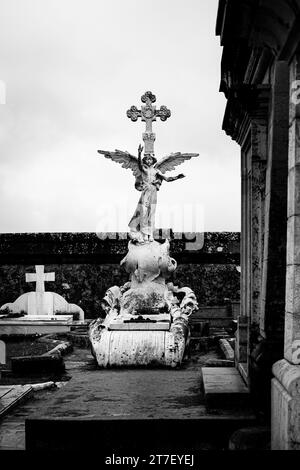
[(88, 282), (47, 248), (89, 264)]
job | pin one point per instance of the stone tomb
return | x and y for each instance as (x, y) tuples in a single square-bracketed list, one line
[(130, 410), (44, 312), (39, 304)]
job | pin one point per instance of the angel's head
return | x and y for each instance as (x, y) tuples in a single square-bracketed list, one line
[(149, 159)]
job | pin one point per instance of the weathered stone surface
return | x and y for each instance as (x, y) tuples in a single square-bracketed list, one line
[(133, 333), (226, 349), (293, 194), (292, 318), (292, 337), (138, 348), (285, 406), (34, 326), (294, 136), (151, 405), (288, 375), (41, 303), (35, 304), (12, 395), (224, 387), (293, 240)]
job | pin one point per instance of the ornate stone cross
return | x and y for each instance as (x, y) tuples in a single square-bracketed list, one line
[(148, 113), (40, 277)]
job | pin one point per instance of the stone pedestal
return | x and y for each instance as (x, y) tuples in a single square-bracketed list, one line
[(285, 406), (146, 320), (40, 304), (37, 305)]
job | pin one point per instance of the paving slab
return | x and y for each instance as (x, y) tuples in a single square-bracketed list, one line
[(115, 408), (119, 408), (12, 395), (224, 387)]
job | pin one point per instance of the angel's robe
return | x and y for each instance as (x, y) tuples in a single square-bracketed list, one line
[(143, 219)]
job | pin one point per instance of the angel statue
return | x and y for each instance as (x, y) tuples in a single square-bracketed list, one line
[(149, 175)]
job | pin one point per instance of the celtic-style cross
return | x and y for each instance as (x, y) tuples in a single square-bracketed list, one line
[(148, 113)]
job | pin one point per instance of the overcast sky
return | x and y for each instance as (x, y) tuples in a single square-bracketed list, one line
[(71, 70)]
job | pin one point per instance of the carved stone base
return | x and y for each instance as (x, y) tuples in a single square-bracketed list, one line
[(147, 320), (139, 348), (285, 409)]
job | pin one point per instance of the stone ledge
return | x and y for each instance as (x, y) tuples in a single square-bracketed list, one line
[(288, 375), (226, 349), (12, 395), (60, 350)]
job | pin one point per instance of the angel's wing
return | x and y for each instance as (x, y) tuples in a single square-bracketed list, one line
[(169, 162), (125, 159)]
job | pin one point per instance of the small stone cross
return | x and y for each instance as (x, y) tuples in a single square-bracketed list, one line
[(148, 113), (40, 278)]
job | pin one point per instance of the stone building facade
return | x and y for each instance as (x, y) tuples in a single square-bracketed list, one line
[(260, 77)]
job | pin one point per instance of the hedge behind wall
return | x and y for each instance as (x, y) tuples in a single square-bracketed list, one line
[(87, 283)]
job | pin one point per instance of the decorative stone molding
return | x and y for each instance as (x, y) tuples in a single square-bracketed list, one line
[(285, 406), (253, 35), (247, 109), (288, 375)]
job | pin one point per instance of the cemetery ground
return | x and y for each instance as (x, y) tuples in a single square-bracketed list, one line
[(83, 392)]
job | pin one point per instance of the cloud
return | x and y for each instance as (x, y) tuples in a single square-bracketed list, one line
[(72, 69)]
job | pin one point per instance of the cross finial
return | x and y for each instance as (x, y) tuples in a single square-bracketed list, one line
[(148, 113), (40, 278)]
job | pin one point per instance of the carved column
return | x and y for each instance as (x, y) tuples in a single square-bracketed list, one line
[(267, 339), (253, 141), (286, 384), (246, 120), (241, 348)]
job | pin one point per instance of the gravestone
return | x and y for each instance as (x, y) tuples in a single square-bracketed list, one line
[(40, 304)]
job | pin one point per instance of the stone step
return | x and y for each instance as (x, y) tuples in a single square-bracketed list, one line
[(80, 325), (79, 331), (79, 328), (224, 388), (11, 395), (80, 339)]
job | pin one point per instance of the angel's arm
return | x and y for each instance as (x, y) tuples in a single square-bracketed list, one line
[(169, 178)]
